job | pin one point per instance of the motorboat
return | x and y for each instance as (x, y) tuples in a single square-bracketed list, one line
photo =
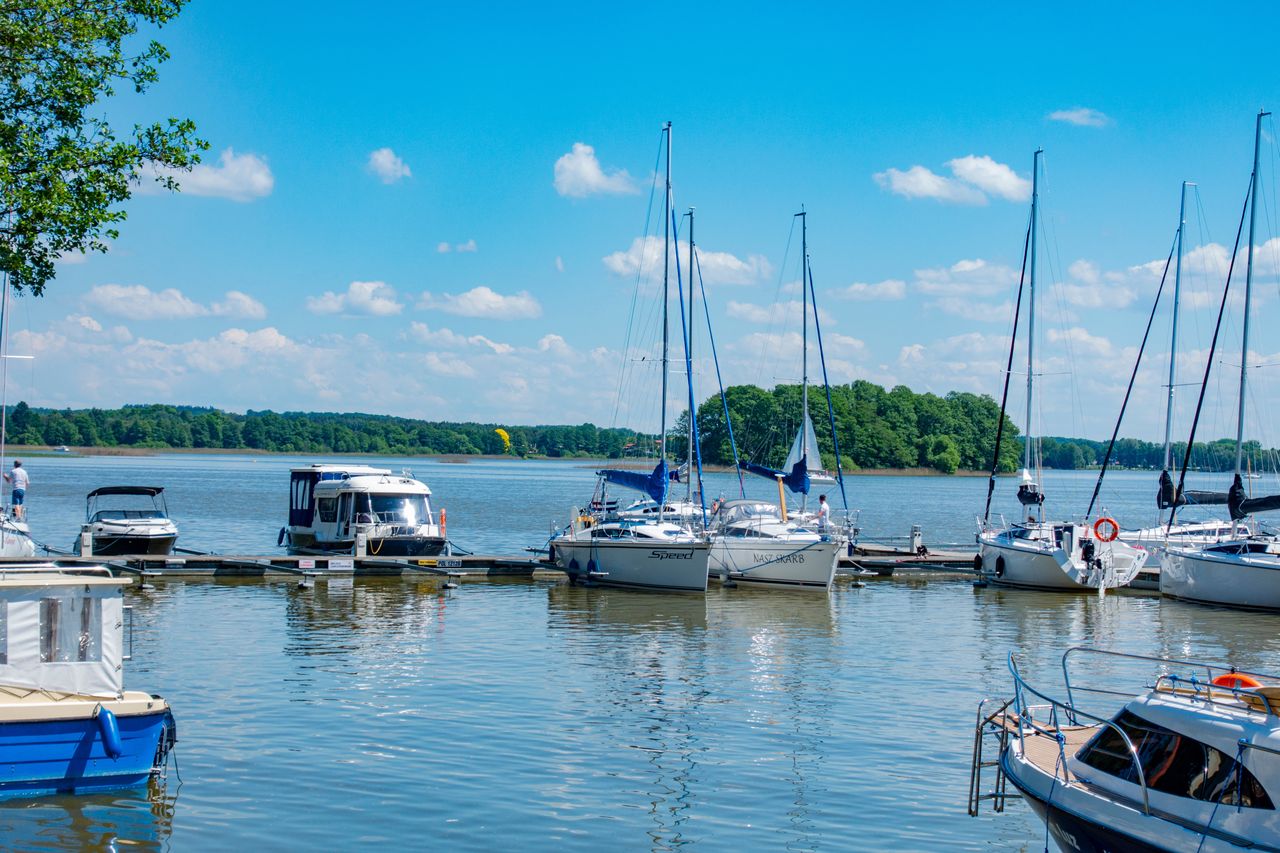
[(1190, 763), (119, 522), (752, 544), (66, 722), (355, 509)]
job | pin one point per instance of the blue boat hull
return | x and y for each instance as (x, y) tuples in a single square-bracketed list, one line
[(71, 756)]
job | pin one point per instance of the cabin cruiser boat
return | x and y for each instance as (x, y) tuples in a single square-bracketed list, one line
[(355, 509), (751, 544), (1192, 763), (126, 527), (66, 722)]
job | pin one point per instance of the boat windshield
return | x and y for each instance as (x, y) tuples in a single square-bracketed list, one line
[(757, 511), (396, 509)]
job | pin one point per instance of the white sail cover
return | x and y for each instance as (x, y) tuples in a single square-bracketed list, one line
[(62, 637), (806, 443)]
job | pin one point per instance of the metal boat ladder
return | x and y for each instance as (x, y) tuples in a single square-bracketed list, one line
[(991, 732)]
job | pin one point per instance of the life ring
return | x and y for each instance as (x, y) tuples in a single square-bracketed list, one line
[(1113, 529), (1235, 679)]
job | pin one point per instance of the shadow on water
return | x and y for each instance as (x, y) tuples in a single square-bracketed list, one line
[(137, 819)]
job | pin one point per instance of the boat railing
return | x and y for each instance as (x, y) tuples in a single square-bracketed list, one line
[(1205, 689), (1052, 728), (27, 569)]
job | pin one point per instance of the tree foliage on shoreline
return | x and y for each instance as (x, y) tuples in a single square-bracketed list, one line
[(63, 170)]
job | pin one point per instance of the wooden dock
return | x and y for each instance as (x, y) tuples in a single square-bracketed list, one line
[(884, 560), (458, 567)]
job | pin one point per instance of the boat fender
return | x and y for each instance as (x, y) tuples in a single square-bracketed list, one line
[(999, 567), (280, 538), (109, 726), (573, 564), (1235, 679), (592, 567), (1109, 525), (977, 563), (443, 535)]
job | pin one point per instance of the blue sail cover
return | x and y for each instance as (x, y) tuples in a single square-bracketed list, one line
[(653, 484), (797, 481)]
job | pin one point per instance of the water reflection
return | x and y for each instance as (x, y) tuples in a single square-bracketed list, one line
[(137, 819)]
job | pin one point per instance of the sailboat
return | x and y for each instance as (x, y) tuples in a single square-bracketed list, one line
[(1244, 569), (1040, 554), (15, 535), (649, 552)]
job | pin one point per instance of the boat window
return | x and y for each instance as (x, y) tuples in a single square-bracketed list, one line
[(328, 509), (399, 509), (70, 629), (126, 514), (1173, 763), (344, 506)]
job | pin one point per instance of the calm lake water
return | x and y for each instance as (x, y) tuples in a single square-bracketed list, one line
[(538, 716)]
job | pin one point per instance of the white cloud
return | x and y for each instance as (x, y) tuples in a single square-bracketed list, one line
[(991, 177), (139, 302), (448, 338), (447, 364), (1082, 340), (1098, 295), (919, 182), (981, 312), (372, 298), (484, 302), (974, 178), (554, 343), (778, 312), (578, 174), (974, 277), (1084, 271), (559, 264), (389, 168), (890, 289), (242, 177), (1081, 117), (444, 248), (645, 254), (469, 246)]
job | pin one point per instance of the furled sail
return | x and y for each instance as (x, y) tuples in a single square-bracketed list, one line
[(1167, 499), (1242, 505), (806, 446), (653, 484), (797, 480)]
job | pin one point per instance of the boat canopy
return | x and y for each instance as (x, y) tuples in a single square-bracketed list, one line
[(653, 484), (1167, 497), (149, 491)]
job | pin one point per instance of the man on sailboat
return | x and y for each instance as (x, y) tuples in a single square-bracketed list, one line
[(18, 476), (824, 512)]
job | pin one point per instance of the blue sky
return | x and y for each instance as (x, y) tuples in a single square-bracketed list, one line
[(435, 210)]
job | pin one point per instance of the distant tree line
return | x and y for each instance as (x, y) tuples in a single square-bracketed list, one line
[(876, 428)]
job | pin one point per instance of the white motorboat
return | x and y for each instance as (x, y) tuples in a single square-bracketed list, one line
[(355, 509), (119, 523), (644, 552), (66, 722), (752, 545), (1190, 764)]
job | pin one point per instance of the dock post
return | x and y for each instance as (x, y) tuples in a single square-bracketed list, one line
[(917, 539), (362, 545), (86, 541)]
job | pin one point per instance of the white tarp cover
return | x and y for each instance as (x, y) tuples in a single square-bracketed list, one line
[(807, 434), (64, 637)]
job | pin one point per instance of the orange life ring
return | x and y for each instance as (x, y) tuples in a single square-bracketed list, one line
[(1235, 679), (1112, 532)]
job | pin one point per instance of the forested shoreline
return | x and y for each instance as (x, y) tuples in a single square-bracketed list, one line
[(893, 429)]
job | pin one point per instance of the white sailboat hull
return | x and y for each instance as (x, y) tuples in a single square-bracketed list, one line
[(1234, 580), (775, 563), (1156, 540), (1034, 564), (637, 564)]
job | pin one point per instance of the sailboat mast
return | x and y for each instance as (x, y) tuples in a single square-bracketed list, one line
[(1248, 292), (804, 333), (1031, 310), (1173, 341), (689, 356), (666, 290)]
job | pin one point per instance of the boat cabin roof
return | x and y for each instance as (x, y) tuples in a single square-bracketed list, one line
[(149, 491), (330, 471), (374, 483)]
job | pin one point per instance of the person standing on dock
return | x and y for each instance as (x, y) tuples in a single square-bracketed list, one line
[(824, 512), (18, 477)]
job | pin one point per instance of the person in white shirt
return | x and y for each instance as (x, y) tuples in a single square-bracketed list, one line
[(824, 512), (18, 477)]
